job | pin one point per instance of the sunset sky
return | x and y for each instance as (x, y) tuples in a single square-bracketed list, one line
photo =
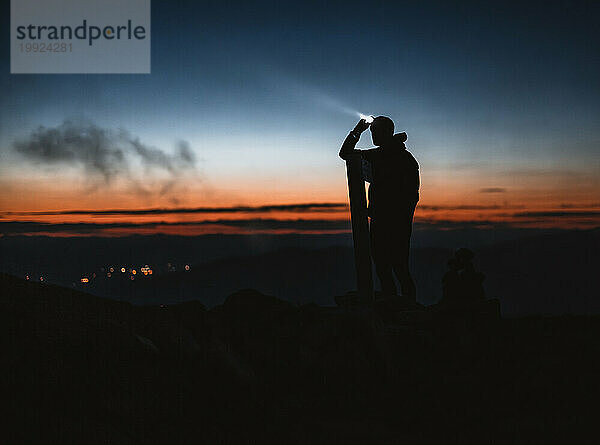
[(238, 127)]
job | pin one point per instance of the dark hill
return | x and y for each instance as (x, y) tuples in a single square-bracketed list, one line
[(256, 369), (546, 275), (549, 273)]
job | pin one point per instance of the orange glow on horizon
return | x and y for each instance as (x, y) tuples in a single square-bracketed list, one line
[(444, 198)]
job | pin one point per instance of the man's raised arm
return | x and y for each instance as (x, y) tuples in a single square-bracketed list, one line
[(351, 140)]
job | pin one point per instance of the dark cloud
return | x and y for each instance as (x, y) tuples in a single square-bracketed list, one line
[(8, 228), (492, 190), (436, 224), (296, 208), (580, 206), (288, 224), (558, 214), (263, 224), (100, 151), (461, 207), (83, 228)]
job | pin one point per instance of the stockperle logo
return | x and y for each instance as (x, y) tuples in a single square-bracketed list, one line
[(80, 36)]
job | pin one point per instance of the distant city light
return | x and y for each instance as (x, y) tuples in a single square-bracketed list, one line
[(109, 271), (187, 267)]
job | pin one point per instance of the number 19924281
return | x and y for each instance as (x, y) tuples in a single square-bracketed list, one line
[(52, 47)]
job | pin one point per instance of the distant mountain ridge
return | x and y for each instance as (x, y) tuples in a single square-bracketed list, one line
[(552, 273)]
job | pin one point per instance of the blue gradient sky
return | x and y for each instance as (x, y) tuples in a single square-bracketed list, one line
[(491, 96)]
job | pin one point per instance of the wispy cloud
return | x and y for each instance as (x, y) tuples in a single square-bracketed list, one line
[(104, 153)]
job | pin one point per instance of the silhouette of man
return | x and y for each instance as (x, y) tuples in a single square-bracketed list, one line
[(393, 195)]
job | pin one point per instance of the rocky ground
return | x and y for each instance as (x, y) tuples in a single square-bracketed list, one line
[(82, 369)]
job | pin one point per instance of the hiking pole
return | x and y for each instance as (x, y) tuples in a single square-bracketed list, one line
[(360, 227)]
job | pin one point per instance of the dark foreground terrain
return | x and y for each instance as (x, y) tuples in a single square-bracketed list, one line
[(82, 369)]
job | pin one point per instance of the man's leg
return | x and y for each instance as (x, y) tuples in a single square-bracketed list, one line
[(402, 270), (380, 250), (402, 252)]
